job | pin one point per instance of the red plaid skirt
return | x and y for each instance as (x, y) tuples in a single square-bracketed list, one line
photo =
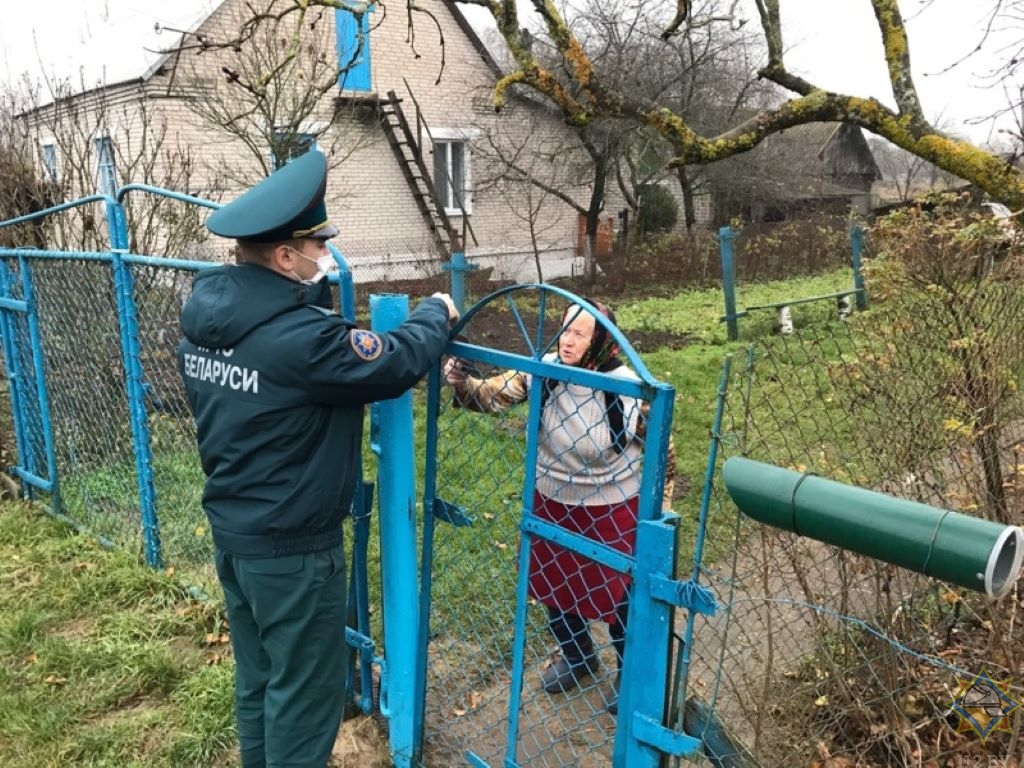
[(572, 582)]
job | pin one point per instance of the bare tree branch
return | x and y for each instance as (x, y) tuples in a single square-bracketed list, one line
[(585, 94)]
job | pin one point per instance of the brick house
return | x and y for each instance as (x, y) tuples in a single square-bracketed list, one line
[(396, 194)]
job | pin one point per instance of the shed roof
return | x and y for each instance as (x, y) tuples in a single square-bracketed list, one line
[(821, 159), (815, 135)]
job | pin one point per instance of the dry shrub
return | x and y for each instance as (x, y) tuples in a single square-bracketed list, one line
[(764, 251)]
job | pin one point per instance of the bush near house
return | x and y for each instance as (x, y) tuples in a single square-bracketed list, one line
[(658, 210)]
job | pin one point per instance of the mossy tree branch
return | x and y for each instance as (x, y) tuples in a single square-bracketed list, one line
[(585, 98)]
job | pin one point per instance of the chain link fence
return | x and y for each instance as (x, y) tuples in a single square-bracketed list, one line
[(823, 655), (765, 251), (85, 381), (418, 267), (80, 360)]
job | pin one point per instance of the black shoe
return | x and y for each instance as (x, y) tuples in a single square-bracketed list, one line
[(563, 676)]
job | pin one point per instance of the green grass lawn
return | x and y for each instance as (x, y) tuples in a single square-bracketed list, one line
[(103, 662), (697, 313)]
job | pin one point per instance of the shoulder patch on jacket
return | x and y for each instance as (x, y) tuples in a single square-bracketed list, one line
[(366, 344)]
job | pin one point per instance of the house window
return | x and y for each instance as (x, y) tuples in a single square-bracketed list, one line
[(288, 145), (353, 60), (49, 156), (106, 182), (451, 175)]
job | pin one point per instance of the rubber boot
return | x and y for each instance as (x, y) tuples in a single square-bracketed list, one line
[(578, 660)]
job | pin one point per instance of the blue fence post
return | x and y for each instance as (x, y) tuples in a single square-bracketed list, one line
[(427, 563), (36, 340), (346, 284), (856, 249), (459, 268), (12, 359), (396, 494), (641, 739), (726, 238), (686, 651), (361, 668), (130, 353)]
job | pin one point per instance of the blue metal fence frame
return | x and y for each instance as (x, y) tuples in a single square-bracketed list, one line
[(642, 738), (727, 237)]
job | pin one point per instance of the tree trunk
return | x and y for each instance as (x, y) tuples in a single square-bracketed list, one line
[(594, 218), (536, 249), (686, 186), (988, 451)]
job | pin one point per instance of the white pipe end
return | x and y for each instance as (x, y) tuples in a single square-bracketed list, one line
[(1004, 562)]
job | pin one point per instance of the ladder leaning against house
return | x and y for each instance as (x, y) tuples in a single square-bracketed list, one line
[(408, 148)]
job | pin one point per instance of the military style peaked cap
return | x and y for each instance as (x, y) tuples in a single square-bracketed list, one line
[(287, 205)]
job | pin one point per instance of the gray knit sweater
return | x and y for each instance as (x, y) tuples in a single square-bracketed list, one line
[(577, 462)]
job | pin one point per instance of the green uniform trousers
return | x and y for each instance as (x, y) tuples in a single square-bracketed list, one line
[(287, 619)]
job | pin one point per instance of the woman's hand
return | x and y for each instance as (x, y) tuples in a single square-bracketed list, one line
[(454, 372)]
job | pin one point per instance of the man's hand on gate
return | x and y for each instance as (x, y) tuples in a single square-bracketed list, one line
[(453, 311)]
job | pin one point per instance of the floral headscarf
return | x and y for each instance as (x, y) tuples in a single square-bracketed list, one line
[(603, 352), (602, 355)]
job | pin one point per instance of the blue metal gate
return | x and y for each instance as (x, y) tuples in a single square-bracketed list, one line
[(483, 640), (458, 678), (30, 408)]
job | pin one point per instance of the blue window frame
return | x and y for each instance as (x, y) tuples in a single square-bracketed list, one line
[(106, 182), (49, 157), (357, 76)]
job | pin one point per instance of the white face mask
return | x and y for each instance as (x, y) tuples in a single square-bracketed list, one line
[(325, 265)]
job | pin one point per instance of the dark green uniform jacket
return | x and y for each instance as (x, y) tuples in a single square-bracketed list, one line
[(277, 386)]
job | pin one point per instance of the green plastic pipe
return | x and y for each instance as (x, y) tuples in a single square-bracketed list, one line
[(967, 551)]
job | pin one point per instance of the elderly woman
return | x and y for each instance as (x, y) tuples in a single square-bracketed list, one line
[(589, 463)]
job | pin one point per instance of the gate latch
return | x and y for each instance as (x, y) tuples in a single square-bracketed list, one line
[(451, 513), (669, 742), (684, 594)]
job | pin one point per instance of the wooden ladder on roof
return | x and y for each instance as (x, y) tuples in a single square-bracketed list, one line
[(407, 147)]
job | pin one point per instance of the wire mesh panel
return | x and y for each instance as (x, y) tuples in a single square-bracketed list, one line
[(823, 654), (541, 698), (178, 478), (81, 347), (85, 338)]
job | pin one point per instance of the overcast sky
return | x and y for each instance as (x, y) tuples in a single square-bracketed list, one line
[(835, 43), (89, 40)]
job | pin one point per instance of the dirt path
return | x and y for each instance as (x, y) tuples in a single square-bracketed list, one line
[(761, 635)]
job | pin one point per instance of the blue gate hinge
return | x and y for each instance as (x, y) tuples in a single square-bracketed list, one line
[(665, 740), (359, 641), (451, 513), (684, 594)]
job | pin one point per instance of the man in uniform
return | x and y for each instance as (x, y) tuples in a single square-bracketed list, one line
[(277, 383)]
